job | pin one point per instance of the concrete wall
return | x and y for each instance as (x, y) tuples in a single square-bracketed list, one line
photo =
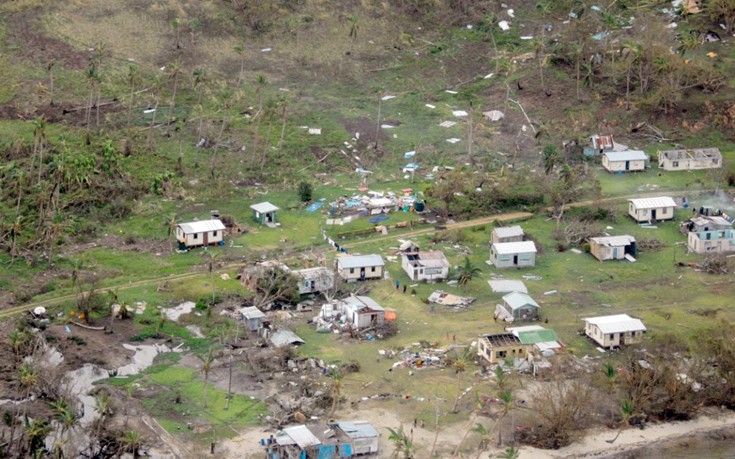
[(698, 242), (616, 166), (607, 340), (603, 252), (372, 272), (644, 215), (689, 164), (525, 260), (420, 273), (499, 353), (197, 239)]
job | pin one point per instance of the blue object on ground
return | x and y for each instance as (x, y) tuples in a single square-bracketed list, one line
[(314, 206), (379, 218)]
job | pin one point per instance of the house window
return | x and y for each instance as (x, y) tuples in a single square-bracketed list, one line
[(676, 164), (500, 354), (214, 233), (196, 235), (372, 269), (352, 270)]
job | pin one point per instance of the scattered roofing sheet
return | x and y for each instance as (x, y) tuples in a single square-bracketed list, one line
[(447, 124), (508, 231), (358, 429), (505, 286), (299, 435), (284, 337), (251, 312)]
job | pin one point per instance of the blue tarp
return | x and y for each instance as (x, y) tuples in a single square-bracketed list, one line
[(314, 206), (345, 450), (327, 452), (379, 218)]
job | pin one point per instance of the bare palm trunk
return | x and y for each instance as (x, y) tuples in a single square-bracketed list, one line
[(216, 148)]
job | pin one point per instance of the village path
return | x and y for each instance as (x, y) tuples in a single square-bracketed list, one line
[(9, 312)]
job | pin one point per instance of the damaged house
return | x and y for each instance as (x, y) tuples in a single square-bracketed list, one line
[(517, 306), (495, 348), (314, 280), (359, 312), (423, 266), (341, 439), (717, 241), (612, 247), (360, 267), (506, 234), (705, 223), (688, 160)]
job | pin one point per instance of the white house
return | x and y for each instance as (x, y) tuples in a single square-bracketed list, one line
[(513, 254), (194, 234), (363, 311), (506, 234), (625, 161), (614, 331), (252, 317), (612, 247), (360, 267), (314, 280), (425, 266), (362, 434), (651, 209), (718, 241), (686, 160)]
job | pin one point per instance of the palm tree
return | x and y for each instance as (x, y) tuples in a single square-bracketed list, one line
[(132, 77), (484, 439), (130, 442), (402, 443), (170, 224), (459, 366), (505, 396), (466, 273), (102, 404), (240, 50), (627, 409), (336, 390), (354, 28), (212, 257), (509, 453), (200, 79), (174, 69), (550, 156), (39, 142), (18, 339), (36, 431), (207, 362), (611, 374)]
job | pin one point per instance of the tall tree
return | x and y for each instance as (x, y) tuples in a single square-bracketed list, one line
[(206, 368), (466, 272), (354, 29)]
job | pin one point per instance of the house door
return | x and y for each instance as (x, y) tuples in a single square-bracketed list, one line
[(206, 238), (653, 214), (362, 273), (515, 260), (615, 253), (627, 165)]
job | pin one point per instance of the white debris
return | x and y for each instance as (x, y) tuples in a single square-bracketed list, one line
[(511, 13), (504, 25), (489, 75), (388, 97), (459, 113), (265, 50), (449, 91), (315, 131), (447, 124), (431, 106), (527, 37), (453, 140), (387, 126)]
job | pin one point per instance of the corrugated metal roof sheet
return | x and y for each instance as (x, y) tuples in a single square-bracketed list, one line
[(264, 207), (433, 259), (362, 302), (302, 436), (537, 336), (314, 273), (201, 226), (358, 429), (508, 231), (517, 300), (251, 312), (653, 203), (360, 261), (628, 155), (613, 241), (507, 248), (505, 286), (619, 323), (285, 337)]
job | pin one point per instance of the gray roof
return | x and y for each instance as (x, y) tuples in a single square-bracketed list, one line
[(201, 226), (360, 261), (653, 203), (264, 207), (628, 155), (251, 312), (284, 338), (508, 231), (362, 302), (506, 248), (299, 435), (517, 300), (314, 273), (358, 429), (619, 323), (505, 286), (613, 241)]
